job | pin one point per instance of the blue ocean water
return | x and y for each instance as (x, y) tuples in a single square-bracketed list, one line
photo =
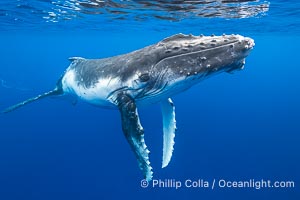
[(234, 127)]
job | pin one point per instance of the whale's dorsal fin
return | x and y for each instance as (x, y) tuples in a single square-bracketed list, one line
[(169, 128), (134, 133), (75, 58)]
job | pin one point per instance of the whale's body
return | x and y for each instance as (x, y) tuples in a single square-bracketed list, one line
[(150, 75)]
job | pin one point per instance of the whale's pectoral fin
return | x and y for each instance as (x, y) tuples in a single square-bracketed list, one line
[(134, 133), (169, 128)]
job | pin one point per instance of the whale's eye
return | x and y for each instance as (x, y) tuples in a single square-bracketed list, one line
[(144, 77)]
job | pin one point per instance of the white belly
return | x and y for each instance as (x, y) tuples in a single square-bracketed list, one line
[(100, 93), (96, 95)]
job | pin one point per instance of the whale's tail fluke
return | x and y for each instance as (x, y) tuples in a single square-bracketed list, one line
[(54, 92)]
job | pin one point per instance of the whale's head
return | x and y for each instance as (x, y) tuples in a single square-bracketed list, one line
[(186, 59), (188, 55)]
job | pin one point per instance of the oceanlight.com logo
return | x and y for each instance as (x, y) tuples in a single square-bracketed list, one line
[(216, 183)]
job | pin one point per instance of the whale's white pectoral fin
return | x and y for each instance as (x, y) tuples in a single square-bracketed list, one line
[(134, 133), (169, 128)]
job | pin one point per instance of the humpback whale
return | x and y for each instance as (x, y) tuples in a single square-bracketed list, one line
[(150, 75)]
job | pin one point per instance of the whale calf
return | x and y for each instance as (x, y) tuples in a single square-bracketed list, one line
[(150, 75)]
